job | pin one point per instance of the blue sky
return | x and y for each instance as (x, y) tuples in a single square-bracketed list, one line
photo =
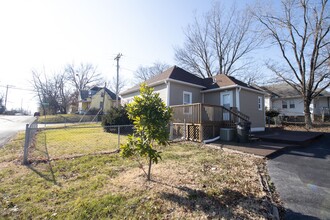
[(44, 34)]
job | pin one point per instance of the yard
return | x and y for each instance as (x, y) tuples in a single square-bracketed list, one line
[(191, 182)]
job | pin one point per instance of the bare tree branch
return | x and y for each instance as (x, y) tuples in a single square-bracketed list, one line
[(219, 42), (308, 56), (144, 73)]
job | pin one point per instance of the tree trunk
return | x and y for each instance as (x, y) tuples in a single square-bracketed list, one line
[(308, 120), (149, 169)]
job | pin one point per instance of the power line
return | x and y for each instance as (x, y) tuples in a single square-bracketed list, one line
[(16, 88)]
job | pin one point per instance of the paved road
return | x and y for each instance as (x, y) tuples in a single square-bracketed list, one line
[(302, 178), (10, 125)]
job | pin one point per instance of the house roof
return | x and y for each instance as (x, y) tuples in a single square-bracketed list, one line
[(178, 74), (111, 94), (174, 73), (280, 90), (84, 94), (222, 80), (283, 90)]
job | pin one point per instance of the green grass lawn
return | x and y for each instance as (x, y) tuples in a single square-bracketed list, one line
[(191, 182), (65, 118), (74, 140)]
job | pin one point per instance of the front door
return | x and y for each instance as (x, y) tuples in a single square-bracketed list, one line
[(226, 100)]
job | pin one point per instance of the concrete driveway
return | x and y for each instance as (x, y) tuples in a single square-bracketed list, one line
[(10, 125), (302, 179)]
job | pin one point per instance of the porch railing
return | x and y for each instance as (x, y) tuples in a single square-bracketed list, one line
[(199, 113)]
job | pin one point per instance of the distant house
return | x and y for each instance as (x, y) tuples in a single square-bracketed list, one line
[(289, 102), (237, 99), (98, 98)]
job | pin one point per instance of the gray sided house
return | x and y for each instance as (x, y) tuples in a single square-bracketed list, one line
[(220, 98)]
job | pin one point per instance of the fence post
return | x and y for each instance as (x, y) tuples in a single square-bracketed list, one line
[(118, 136), (184, 130), (171, 130), (26, 144)]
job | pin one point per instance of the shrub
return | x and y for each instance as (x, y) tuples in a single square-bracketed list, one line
[(272, 113), (93, 111), (115, 116)]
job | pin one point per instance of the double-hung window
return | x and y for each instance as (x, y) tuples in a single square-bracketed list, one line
[(187, 99), (284, 104), (291, 103), (259, 103)]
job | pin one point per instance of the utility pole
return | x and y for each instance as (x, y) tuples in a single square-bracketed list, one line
[(117, 84), (6, 97)]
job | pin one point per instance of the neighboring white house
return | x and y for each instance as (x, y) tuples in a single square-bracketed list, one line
[(289, 102)]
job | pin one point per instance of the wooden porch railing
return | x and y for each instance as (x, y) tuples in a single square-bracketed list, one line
[(199, 113)]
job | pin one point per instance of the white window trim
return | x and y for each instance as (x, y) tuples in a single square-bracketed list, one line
[(190, 95), (282, 104), (292, 102), (190, 102), (260, 103)]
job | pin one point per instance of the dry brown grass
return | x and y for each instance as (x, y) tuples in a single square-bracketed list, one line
[(191, 182)]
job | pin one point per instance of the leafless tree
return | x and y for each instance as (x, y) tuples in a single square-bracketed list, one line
[(53, 91), (2, 107), (144, 73), (301, 32), (111, 84), (83, 76), (220, 42)]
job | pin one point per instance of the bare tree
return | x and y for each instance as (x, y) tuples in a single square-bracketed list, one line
[(83, 76), (144, 73), (301, 32), (220, 42), (113, 82), (2, 107), (51, 90)]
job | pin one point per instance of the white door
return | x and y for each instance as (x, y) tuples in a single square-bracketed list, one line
[(226, 100)]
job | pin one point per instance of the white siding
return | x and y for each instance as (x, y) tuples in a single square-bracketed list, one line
[(320, 103), (298, 110), (268, 103), (161, 89)]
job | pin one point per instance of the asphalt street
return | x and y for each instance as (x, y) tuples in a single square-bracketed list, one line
[(302, 179), (10, 125)]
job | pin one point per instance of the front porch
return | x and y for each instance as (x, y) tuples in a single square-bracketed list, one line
[(200, 122)]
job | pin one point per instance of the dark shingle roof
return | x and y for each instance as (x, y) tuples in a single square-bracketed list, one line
[(96, 89), (223, 80), (177, 73), (83, 94)]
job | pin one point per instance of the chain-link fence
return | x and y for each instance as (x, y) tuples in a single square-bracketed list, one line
[(53, 143), (30, 132)]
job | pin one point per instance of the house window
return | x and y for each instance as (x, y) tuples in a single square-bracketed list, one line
[(187, 99), (291, 104), (259, 102), (101, 105), (284, 104)]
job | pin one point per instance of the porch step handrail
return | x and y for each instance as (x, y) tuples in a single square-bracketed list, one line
[(238, 114), (198, 106)]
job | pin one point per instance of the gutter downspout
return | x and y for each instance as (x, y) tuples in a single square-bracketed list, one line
[(168, 92), (238, 90)]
